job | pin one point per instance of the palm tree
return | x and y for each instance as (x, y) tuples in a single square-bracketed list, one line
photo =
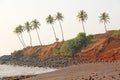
[(18, 32), (50, 20), (59, 17), (82, 16), (35, 25), (104, 18), (28, 27), (21, 31)]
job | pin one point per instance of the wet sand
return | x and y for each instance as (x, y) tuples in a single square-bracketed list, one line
[(86, 71)]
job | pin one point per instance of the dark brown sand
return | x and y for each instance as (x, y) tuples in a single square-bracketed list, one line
[(86, 71)]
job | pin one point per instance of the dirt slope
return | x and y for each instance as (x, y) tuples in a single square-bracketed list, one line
[(42, 51)]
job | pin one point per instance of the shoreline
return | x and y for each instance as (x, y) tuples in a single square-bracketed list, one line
[(96, 71), (12, 72), (87, 71)]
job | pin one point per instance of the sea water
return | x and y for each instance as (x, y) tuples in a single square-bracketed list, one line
[(11, 70)]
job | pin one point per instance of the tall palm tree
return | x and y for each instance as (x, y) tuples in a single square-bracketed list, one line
[(18, 32), (50, 20), (21, 31), (82, 16), (36, 25), (59, 17), (104, 18), (28, 27)]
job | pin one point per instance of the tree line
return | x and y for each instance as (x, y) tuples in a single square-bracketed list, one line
[(34, 25)]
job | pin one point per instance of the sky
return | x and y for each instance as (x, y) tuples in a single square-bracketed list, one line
[(17, 12)]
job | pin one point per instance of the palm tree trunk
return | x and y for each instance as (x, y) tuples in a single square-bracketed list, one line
[(54, 33), (38, 37), (20, 41), (23, 40), (61, 31), (105, 27), (30, 38), (83, 27)]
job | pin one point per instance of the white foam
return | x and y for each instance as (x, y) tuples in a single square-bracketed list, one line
[(11, 70)]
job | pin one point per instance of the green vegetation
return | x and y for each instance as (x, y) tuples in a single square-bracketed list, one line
[(56, 51), (117, 33), (70, 47), (104, 18), (89, 38)]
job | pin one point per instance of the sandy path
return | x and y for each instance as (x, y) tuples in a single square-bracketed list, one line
[(87, 71)]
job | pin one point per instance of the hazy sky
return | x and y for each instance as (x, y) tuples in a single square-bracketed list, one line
[(15, 12)]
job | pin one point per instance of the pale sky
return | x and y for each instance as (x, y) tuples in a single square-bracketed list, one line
[(15, 12)]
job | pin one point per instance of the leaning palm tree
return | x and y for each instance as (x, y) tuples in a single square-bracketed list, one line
[(35, 25), (18, 32), (28, 28), (82, 16), (50, 20), (104, 18), (21, 31), (59, 17)]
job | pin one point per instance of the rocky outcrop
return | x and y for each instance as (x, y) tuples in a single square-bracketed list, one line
[(36, 61)]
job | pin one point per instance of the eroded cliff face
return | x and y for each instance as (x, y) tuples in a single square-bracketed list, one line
[(42, 51), (104, 46)]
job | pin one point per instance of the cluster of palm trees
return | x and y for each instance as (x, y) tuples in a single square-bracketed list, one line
[(28, 26), (50, 20), (34, 25)]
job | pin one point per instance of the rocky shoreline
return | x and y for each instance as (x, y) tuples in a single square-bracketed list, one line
[(53, 62)]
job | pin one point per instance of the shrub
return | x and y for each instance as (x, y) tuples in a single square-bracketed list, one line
[(117, 33), (89, 38), (70, 47), (56, 51)]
